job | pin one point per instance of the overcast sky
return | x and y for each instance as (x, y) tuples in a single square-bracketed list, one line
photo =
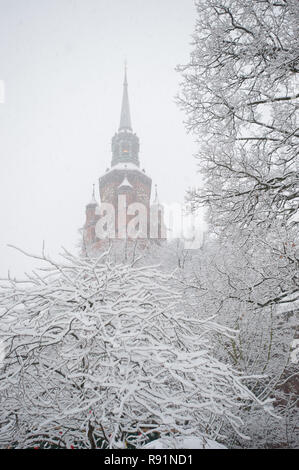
[(62, 64)]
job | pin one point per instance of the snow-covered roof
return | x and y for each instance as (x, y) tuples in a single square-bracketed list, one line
[(125, 166), (125, 183), (93, 202)]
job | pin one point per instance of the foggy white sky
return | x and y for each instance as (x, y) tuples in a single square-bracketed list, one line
[(62, 63)]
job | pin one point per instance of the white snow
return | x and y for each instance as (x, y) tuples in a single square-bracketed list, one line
[(125, 183), (184, 443), (125, 166)]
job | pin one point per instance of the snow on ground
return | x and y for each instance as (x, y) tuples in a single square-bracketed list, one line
[(184, 443)]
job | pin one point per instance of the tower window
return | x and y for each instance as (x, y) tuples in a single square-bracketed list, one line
[(125, 147)]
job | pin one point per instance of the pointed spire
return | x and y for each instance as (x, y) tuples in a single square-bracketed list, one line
[(125, 117), (93, 201), (156, 200)]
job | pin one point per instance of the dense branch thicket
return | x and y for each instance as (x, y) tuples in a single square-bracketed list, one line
[(240, 95), (104, 355)]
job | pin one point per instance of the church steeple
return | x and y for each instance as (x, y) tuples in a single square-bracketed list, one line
[(122, 187), (125, 144), (125, 116)]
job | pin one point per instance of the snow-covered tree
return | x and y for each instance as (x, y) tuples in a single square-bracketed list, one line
[(104, 355), (221, 282), (240, 95)]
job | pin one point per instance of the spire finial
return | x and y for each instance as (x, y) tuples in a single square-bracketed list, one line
[(156, 200), (93, 199), (125, 117)]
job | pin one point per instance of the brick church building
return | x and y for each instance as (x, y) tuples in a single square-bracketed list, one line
[(125, 211)]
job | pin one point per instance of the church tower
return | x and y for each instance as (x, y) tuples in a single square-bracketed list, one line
[(125, 187)]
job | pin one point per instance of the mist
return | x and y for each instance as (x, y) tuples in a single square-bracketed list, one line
[(62, 63)]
